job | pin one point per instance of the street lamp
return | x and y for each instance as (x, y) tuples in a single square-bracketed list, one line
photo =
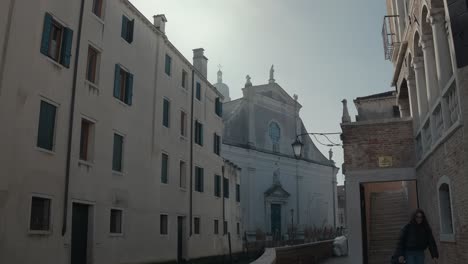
[(297, 148)]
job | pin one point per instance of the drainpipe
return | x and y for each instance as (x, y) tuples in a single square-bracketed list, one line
[(70, 124), (6, 41), (191, 155)]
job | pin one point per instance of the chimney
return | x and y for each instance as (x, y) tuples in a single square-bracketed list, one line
[(160, 22), (200, 62)]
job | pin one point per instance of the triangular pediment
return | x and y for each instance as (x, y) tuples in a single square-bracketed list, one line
[(276, 92), (276, 191)]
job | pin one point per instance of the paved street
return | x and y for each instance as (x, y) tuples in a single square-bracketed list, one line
[(337, 260)]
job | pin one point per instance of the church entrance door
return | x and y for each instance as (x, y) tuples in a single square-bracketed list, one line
[(276, 221)]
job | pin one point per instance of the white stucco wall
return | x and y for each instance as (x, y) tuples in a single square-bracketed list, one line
[(315, 189), (26, 170)]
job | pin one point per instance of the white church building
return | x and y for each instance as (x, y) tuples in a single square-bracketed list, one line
[(278, 191)]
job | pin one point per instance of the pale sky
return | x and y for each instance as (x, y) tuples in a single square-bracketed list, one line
[(323, 50)]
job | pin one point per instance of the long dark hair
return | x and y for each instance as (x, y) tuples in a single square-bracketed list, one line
[(425, 223)]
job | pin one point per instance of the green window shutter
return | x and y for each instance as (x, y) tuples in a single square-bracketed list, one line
[(131, 25), (166, 113), (167, 66), (164, 168), (67, 42), (46, 34), (129, 93), (202, 183), (197, 179), (124, 27), (198, 91), (117, 82), (201, 135), (45, 137), (226, 187), (117, 153)]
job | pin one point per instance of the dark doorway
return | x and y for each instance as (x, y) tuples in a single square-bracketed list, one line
[(363, 224), (180, 239), (79, 241), (276, 220)]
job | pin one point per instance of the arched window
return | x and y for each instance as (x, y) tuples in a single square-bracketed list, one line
[(275, 135), (445, 209)]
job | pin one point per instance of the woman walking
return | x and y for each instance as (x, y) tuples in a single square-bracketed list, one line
[(415, 238)]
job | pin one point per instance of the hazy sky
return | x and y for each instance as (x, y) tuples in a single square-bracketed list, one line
[(323, 50)]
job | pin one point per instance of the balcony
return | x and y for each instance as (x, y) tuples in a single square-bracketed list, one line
[(389, 36)]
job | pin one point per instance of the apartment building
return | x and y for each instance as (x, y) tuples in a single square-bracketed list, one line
[(111, 148)]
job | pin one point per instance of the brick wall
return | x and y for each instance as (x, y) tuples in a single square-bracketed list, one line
[(447, 160), (364, 143)]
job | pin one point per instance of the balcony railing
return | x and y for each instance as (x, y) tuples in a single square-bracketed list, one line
[(388, 36)]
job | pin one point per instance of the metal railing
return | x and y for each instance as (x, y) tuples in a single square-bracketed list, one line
[(388, 36)]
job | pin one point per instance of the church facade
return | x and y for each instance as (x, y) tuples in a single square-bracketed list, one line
[(278, 192)]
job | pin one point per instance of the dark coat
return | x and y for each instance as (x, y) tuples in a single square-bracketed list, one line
[(414, 237)]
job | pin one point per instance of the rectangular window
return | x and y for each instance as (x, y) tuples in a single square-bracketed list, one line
[(86, 140), (184, 79), (123, 85), (238, 193), (163, 228), (56, 41), (225, 228), (218, 107), (40, 214), (127, 29), (216, 227), (46, 130), (97, 7), (196, 224), (198, 91), (182, 175), (116, 221), (91, 70), (217, 184), (167, 65), (238, 229), (117, 153), (216, 144), (166, 112), (226, 187), (183, 123), (198, 133), (199, 181), (164, 168)]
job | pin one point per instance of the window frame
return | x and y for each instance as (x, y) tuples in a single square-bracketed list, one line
[(166, 120), (129, 29), (196, 225), (216, 227), (198, 91), (95, 73), (125, 85), (166, 177), (100, 12), (182, 186), (161, 225), (199, 179), (446, 237), (89, 149), (49, 218), (168, 65), (121, 210), (54, 129), (122, 157)]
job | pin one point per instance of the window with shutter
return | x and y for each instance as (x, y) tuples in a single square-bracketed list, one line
[(56, 41), (198, 91), (117, 153), (198, 133), (46, 129), (97, 8), (123, 85), (164, 168), (166, 112), (167, 66), (127, 29), (226, 187), (199, 182), (217, 186), (86, 140), (237, 193)]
